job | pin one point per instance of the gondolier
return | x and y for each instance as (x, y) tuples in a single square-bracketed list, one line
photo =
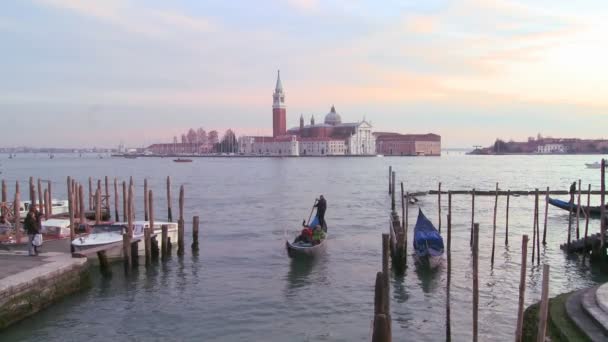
[(321, 208)]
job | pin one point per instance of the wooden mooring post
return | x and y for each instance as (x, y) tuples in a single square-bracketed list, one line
[(587, 214), (403, 242), (104, 265), (578, 211), (116, 215), (381, 326), (40, 199), (393, 192), (124, 201), (546, 216), (536, 206), (603, 209), (544, 306), (390, 185), (570, 219), (164, 249), (98, 206), (195, 224), (148, 232), (107, 208), (385, 270), (146, 199), (90, 193), (16, 214), (507, 219), (4, 198), (475, 282), (46, 202), (169, 214), (448, 324), (50, 187), (494, 226), (406, 224), (180, 223), (82, 219), (472, 216), (522, 288), (439, 207)]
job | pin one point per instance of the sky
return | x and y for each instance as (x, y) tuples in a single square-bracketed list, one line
[(96, 73)]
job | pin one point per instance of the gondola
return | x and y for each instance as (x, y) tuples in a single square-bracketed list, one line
[(594, 211), (428, 243), (305, 249), (182, 160)]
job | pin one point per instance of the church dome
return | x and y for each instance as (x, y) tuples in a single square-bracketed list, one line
[(333, 118)]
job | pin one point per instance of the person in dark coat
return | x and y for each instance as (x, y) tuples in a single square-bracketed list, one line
[(32, 227), (321, 208)]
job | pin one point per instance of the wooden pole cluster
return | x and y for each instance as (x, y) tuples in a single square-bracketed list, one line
[(494, 226), (522, 289)]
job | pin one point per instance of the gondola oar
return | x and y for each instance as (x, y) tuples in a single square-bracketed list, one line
[(312, 210)]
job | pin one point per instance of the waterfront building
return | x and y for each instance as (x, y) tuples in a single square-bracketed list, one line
[(395, 144), (551, 148)]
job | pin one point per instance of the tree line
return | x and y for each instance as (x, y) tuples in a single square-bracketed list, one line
[(227, 144)]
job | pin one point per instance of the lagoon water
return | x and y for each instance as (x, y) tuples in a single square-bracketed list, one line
[(243, 287)]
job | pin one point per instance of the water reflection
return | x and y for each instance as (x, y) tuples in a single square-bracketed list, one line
[(428, 277)]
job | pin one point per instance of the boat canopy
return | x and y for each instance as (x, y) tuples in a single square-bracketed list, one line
[(427, 239)]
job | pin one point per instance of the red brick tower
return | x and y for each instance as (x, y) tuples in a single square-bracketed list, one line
[(279, 120)]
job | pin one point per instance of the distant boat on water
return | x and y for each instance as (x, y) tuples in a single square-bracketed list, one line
[(182, 160), (595, 165)]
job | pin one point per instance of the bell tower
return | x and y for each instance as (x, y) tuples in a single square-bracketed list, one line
[(279, 112)]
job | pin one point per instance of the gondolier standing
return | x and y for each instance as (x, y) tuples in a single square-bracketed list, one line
[(321, 207)]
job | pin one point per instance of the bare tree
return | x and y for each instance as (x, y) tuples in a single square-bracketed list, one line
[(192, 136)]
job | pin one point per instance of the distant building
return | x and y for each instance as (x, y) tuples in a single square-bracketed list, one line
[(180, 148), (551, 148), (395, 144)]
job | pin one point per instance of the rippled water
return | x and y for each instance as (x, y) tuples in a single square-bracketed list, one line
[(242, 286)]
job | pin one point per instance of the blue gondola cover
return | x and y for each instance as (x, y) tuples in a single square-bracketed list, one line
[(427, 240)]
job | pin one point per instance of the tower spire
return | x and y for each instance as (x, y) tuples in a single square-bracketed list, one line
[(279, 87)]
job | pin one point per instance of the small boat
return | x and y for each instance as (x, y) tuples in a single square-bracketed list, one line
[(594, 211), (596, 165), (306, 249), (110, 233), (182, 160), (58, 207), (428, 243)]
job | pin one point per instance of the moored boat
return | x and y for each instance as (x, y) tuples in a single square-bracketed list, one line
[(182, 160), (595, 165), (111, 233), (55, 229), (58, 207), (594, 211), (428, 243)]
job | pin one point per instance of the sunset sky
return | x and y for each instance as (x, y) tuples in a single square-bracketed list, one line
[(94, 73)]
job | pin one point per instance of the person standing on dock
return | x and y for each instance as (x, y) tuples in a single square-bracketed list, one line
[(32, 228), (321, 207)]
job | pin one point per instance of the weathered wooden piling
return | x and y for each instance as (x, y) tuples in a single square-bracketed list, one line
[(4, 197), (180, 223), (534, 236), (507, 219), (403, 246), (381, 327), (448, 324), (385, 257), (116, 215), (393, 192), (603, 208), (45, 201), (472, 216), (195, 224), (439, 207), (17, 223), (543, 313), (146, 199), (148, 232), (578, 211), (546, 216), (40, 199), (50, 188), (90, 193), (124, 201), (570, 220), (494, 226), (164, 249), (169, 213), (82, 219), (98, 206), (536, 205), (379, 304), (135, 252), (71, 218), (32, 190), (588, 213), (104, 265), (390, 185), (107, 208), (522, 288), (475, 281), (406, 223), (126, 250)]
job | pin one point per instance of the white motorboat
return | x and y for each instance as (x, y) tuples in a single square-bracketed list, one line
[(58, 207), (596, 165), (105, 234)]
